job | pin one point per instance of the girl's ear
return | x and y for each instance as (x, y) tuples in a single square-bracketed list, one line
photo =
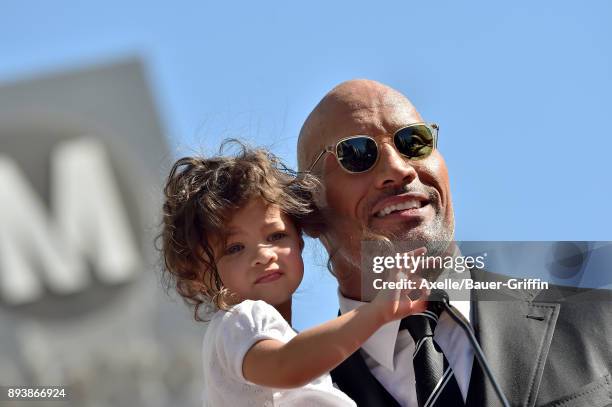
[(301, 243)]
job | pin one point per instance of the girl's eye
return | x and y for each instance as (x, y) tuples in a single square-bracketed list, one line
[(276, 236), (235, 248)]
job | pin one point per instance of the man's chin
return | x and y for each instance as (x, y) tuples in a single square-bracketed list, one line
[(418, 233), (436, 242)]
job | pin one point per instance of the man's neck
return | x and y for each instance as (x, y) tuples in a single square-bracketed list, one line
[(349, 279), (350, 292)]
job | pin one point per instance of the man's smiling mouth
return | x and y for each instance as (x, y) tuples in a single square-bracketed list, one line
[(412, 204), (409, 203)]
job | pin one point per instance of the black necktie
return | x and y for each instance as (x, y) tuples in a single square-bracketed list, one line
[(435, 382)]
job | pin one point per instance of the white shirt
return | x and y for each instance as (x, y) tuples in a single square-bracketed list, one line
[(228, 338), (388, 352)]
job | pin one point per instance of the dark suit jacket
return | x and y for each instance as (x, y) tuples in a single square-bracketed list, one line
[(546, 348)]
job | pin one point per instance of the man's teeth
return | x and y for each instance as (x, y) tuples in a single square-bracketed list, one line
[(399, 207)]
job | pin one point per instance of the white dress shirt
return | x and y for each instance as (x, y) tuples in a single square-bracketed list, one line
[(388, 352)]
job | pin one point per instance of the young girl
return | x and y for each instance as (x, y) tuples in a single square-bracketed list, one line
[(232, 239)]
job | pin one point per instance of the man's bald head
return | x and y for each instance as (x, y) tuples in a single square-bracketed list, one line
[(345, 100)]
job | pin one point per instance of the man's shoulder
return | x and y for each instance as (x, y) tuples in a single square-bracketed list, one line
[(543, 292)]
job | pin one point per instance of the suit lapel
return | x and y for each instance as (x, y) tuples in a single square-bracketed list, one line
[(355, 379), (516, 346)]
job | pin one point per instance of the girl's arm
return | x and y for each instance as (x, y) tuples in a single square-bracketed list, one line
[(318, 350)]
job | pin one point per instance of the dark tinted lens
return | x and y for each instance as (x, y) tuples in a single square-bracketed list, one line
[(357, 154), (414, 142)]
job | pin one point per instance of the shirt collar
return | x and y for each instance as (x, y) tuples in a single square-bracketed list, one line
[(381, 345)]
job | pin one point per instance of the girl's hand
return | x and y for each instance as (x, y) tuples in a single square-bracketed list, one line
[(398, 303)]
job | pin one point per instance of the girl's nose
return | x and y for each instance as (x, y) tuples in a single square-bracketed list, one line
[(264, 255)]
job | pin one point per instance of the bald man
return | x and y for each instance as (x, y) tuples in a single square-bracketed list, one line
[(393, 184)]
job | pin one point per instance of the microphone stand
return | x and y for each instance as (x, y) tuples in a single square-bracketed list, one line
[(442, 296)]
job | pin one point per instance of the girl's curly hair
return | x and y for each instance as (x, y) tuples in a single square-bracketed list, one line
[(201, 196)]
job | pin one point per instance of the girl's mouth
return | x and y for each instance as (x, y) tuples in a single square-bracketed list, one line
[(267, 278)]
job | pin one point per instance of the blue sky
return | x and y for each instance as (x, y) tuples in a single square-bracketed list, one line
[(521, 91)]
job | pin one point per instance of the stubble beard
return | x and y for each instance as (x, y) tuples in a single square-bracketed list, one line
[(435, 237)]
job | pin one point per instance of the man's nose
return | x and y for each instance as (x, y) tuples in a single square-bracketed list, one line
[(264, 254), (392, 168)]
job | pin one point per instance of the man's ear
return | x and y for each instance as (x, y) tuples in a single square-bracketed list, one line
[(312, 231), (314, 225), (324, 241)]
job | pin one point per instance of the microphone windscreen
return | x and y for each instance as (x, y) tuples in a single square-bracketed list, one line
[(438, 295), (436, 301)]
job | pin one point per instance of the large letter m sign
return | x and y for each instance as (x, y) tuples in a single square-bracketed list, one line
[(85, 224)]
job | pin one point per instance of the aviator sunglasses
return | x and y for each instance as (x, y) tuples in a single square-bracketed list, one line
[(360, 153)]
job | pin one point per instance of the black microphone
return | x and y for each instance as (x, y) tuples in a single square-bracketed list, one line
[(441, 301)]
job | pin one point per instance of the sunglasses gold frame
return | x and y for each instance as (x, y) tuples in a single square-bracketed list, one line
[(332, 149)]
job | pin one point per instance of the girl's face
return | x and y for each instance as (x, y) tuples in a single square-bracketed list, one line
[(262, 259)]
